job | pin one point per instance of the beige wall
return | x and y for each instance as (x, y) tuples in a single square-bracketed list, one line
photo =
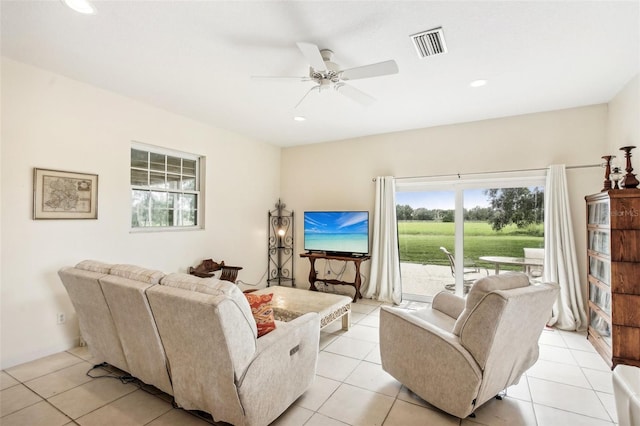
[(49, 121), (52, 122), (336, 176), (624, 123)]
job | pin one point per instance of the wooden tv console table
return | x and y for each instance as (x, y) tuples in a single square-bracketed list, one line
[(313, 275)]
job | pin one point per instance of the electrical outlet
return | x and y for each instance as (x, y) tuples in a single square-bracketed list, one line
[(61, 318)]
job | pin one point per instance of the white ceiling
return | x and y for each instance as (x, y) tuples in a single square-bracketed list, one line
[(195, 58)]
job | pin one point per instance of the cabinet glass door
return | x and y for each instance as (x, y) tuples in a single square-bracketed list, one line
[(599, 241), (598, 213), (600, 325), (600, 270), (600, 298)]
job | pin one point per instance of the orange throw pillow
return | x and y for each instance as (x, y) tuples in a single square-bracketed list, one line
[(262, 312)]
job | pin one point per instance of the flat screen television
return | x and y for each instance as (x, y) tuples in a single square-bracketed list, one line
[(339, 232)]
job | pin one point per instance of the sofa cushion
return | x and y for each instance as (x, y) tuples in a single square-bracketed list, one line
[(129, 307), (94, 266), (202, 285), (214, 287), (484, 286), (262, 312), (137, 273), (96, 322)]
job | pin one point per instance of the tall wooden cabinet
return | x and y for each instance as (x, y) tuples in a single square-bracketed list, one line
[(613, 251)]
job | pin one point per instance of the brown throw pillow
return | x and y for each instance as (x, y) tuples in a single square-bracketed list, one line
[(262, 312)]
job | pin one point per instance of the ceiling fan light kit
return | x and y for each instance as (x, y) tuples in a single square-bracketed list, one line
[(329, 76)]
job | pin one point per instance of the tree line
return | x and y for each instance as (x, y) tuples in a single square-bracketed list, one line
[(518, 206)]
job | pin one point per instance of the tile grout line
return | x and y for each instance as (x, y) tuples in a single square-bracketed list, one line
[(60, 411), (563, 383), (23, 408), (41, 400), (573, 413), (325, 401), (564, 410)]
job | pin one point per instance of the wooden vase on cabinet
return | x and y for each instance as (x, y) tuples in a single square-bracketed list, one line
[(613, 262)]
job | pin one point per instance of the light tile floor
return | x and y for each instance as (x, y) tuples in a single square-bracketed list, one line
[(569, 385)]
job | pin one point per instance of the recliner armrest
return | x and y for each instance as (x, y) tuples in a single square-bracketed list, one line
[(448, 304), (429, 337), (285, 328), (428, 360), (284, 364)]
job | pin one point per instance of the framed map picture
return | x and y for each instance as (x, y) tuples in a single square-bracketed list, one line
[(64, 195)]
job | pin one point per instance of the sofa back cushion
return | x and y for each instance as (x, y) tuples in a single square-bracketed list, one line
[(95, 266), (96, 322), (209, 345), (484, 286), (137, 273), (214, 287), (502, 333), (136, 325)]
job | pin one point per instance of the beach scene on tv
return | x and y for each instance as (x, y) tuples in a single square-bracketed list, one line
[(337, 232)]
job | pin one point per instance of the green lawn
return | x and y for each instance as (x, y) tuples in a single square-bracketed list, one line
[(420, 241)]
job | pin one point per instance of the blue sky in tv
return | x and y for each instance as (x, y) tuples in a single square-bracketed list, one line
[(346, 232)]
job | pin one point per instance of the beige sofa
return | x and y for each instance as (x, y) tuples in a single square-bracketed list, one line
[(193, 338), (460, 353)]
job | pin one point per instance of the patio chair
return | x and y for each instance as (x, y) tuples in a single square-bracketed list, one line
[(534, 272), (469, 267)]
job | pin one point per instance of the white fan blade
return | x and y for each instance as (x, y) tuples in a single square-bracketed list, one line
[(354, 94), (312, 53), (280, 78), (306, 94), (372, 70)]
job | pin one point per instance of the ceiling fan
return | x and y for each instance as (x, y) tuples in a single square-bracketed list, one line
[(328, 76)]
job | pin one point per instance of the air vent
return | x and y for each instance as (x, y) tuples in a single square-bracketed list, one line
[(429, 43)]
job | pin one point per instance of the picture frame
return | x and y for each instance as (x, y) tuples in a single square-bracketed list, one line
[(64, 195)]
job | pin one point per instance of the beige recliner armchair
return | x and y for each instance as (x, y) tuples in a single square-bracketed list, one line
[(460, 353)]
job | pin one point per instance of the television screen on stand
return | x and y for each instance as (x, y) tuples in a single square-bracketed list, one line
[(337, 232)]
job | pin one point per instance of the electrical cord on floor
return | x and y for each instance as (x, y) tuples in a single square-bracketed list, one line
[(124, 378)]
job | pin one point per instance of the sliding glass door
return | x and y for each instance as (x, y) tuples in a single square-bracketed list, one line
[(425, 224), (445, 229)]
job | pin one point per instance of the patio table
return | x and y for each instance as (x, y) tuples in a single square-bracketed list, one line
[(507, 260)]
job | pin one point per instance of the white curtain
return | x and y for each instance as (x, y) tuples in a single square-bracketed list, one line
[(384, 283), (560, 261)]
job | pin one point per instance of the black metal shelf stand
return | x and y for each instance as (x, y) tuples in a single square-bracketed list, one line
[(281, 239)]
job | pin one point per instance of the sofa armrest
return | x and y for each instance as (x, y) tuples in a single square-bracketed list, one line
[(282, 369), (413, 351), (448, 304)]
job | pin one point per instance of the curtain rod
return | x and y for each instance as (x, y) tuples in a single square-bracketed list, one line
[(459, 175)]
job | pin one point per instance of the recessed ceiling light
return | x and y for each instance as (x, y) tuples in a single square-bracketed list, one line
[(478, 83), (299, 118), (81, 6)]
